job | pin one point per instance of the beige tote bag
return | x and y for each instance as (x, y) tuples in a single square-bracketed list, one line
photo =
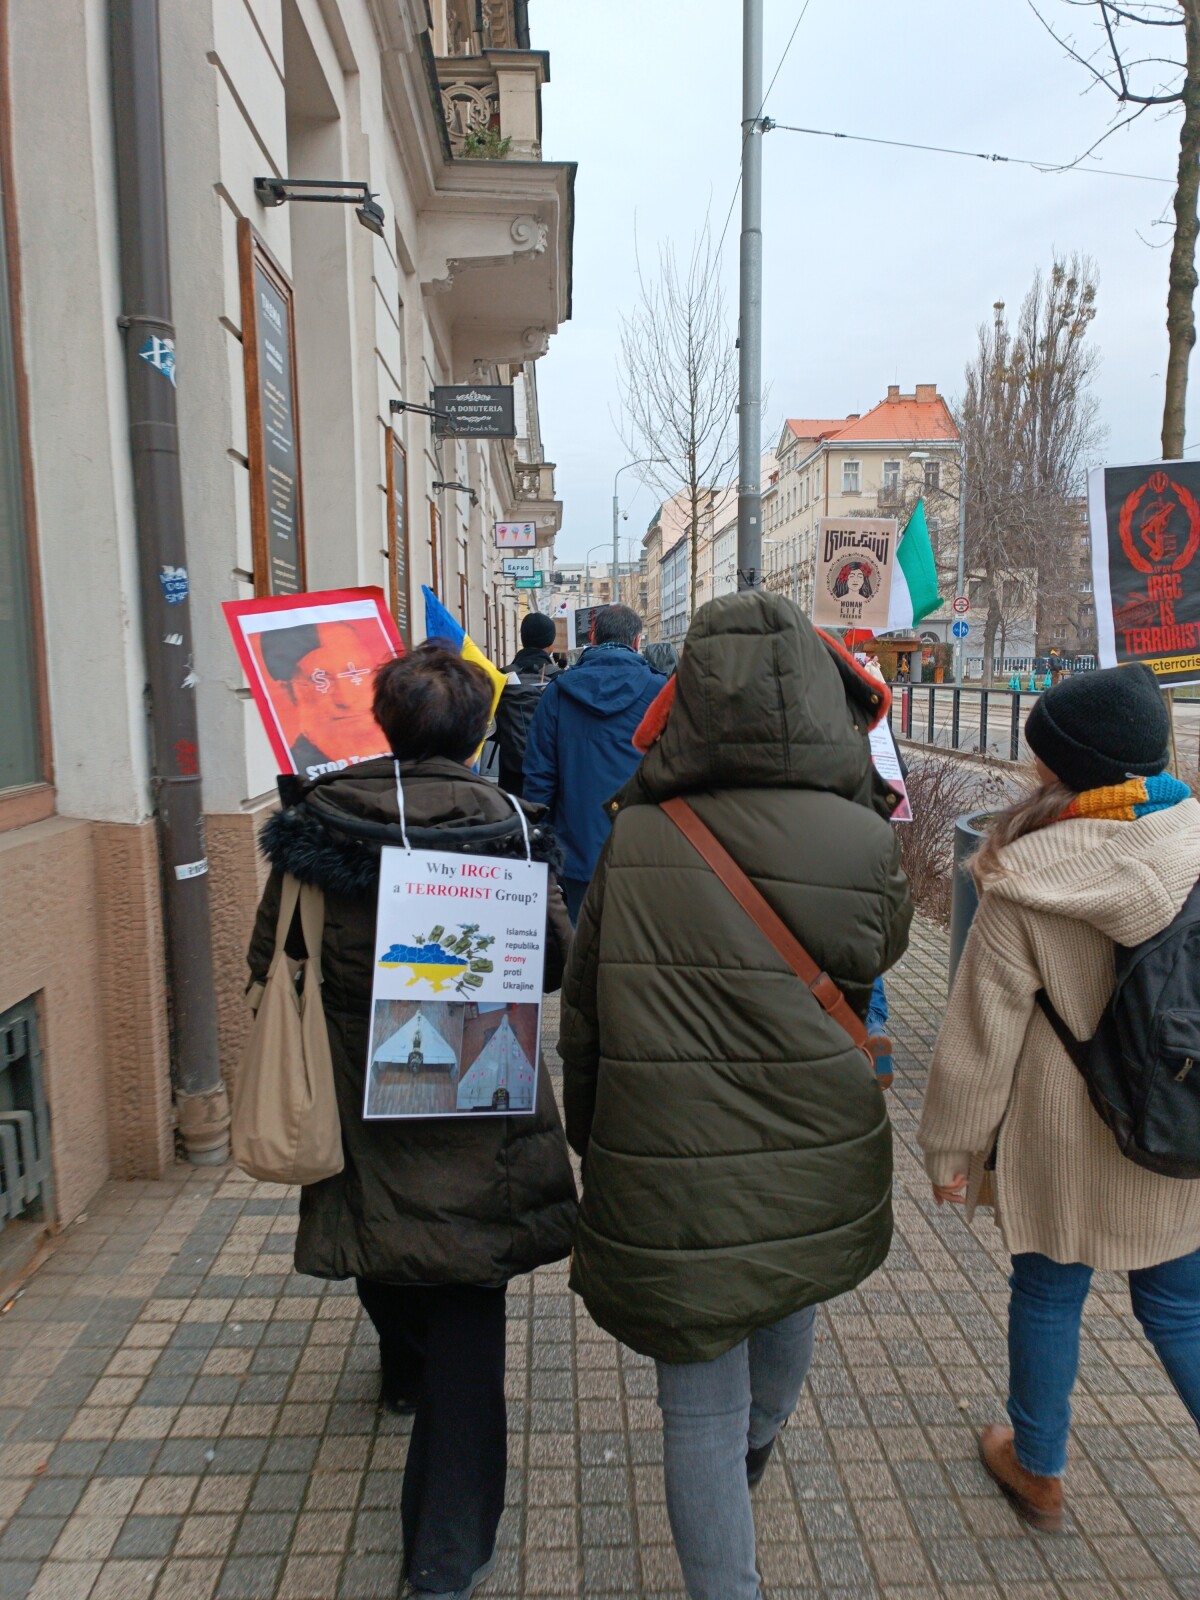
[(286, 1127)]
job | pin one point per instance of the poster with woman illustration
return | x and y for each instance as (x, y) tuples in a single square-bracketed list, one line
[(854, 572)]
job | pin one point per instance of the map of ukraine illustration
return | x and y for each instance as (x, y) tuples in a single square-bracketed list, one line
[(429, 961)]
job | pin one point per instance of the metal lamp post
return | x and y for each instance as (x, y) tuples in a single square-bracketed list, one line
[(646, 461)]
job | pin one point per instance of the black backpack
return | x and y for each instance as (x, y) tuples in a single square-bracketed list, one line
[(514, 712), (1142, 1065)]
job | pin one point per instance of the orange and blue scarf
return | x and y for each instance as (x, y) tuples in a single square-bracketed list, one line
[(1126, 802)]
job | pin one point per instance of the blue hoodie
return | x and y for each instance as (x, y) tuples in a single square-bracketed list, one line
[(580, 748)]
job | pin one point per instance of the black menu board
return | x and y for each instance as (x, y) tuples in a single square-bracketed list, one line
[(272, 422)]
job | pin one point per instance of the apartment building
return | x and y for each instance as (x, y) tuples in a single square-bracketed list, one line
[(873, 464)]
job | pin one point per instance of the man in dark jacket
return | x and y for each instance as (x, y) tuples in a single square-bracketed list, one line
[(580, 749), (738, 1152), (533, 667)]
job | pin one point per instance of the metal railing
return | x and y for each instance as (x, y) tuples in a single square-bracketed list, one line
[(974, 721), (1004, 666)]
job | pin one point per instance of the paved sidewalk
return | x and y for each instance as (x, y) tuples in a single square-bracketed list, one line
[(183, 1417)]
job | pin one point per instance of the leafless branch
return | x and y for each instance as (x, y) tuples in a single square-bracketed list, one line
[(1092, 148), (679, 381), (1120, 90)]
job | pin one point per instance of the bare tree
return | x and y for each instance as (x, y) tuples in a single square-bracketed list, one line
[(679, 384), (1030, 423), (1126, 58)]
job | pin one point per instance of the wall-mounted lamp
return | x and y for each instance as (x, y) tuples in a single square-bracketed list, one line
[(463, 488), (336, 191), (449, 423)]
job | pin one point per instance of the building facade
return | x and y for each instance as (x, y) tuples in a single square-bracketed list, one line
[(437, 110), (875, 464)]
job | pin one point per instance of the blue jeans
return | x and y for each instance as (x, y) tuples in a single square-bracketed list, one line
[(1043, 1345), (877, 1020), (877, 1011), (713, 1411)]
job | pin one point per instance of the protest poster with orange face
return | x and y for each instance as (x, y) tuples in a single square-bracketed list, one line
[(310, 661)]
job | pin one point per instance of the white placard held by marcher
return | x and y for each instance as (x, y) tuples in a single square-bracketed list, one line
[(887, 764), (456, 1002)]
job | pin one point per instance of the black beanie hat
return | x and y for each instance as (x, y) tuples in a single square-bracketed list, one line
[(537, 631), (1100, 728)]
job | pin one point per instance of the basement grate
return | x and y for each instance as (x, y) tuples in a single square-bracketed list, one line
[(24, 1119)]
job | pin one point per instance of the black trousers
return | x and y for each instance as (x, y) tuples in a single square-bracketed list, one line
[(442, 1347)]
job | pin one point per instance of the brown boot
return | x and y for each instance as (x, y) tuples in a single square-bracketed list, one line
[(1038, 1500)]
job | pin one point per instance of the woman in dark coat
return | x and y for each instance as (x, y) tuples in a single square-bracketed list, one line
[(738, 1157), (431, 1217)]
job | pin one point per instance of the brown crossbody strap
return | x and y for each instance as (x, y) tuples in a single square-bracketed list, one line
[(819, 983)]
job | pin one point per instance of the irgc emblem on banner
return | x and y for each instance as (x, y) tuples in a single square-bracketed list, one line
[(1145, 526)]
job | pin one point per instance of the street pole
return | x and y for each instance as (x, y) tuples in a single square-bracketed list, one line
[(749, 530), (616, 555), (962, 558)]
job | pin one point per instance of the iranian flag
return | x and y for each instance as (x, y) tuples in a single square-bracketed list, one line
[(914, 576)]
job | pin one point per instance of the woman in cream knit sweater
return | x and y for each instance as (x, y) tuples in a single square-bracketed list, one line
[(1105, 852)]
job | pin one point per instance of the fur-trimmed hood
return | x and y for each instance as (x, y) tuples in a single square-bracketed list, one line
[(330, 832)]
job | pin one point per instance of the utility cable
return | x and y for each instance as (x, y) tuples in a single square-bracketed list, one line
[(975, 155)]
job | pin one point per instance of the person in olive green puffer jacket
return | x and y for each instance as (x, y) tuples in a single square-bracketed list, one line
[(737, 1150)]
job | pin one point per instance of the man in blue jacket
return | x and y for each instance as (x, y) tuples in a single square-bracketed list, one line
[(580, 747)]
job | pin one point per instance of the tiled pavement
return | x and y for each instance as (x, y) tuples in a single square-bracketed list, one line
[(183, 1417)]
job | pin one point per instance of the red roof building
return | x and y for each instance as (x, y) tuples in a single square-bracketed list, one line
[(872, 463)]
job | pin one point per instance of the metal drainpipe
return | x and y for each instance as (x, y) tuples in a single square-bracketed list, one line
[(201, 1102)]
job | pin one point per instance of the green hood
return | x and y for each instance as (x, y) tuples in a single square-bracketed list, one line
[(762, 701)]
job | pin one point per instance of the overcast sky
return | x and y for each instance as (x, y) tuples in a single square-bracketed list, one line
[(878, 264)]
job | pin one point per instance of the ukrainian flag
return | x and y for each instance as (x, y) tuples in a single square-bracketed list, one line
[(439, 624)]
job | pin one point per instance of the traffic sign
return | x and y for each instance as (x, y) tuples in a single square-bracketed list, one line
[(961, 605), (535, 580), (517, 566), (960, 630)]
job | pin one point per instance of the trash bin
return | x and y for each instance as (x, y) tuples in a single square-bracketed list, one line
[(969, 833)]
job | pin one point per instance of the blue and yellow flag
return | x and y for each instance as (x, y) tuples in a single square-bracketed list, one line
[(439, 624)]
